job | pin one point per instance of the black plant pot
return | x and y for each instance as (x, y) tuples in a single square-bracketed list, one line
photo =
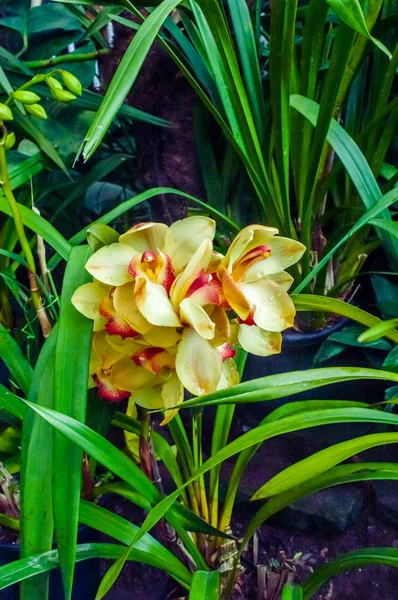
[(87, 572), (298, 353)]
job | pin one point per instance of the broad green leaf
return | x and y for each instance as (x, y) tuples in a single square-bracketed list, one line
[(72, 355), (125, 75), (15, 360), (351, 560), (321, 461), (205, 585), (378, 331), (350, 12)]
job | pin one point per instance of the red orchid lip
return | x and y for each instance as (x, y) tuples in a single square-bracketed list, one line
[(227, 351), (107, 392)]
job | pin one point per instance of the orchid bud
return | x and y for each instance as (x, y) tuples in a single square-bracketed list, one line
[(26, 97), (72, 82), (10, 141), (5, 113), (63, 95), (53, 83), (36, 110)]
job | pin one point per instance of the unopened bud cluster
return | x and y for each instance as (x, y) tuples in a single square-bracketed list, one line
[(62, 92)]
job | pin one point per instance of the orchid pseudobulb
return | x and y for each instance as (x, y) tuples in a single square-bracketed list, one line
[(168, 309)]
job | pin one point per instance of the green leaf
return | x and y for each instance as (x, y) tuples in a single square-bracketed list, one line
[(122, 530), (71, 373), (24, 568), (205, 585), (260, 434), (36, 472), (339, 475), (292, 592), (311, 302), (378, 331), (101, 235), (39, 226), (321, 461), (125, 75), (15, 360), (358, 168), (390, 226), (351, 560), (277, 386), (351, 13)]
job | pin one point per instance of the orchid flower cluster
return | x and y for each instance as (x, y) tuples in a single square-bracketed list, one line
[(169, 311)]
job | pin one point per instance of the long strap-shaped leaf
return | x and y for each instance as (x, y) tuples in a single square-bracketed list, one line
[(358, 168), (205, 586), (36, 469), (72, 355), (105, 453), (15, 360), (125, 75), (351, 560)]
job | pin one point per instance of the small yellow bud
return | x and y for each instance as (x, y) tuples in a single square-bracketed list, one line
[(26, 97), (72, 82), (10, 141), (63, 95), (36, 110), (5, 113)]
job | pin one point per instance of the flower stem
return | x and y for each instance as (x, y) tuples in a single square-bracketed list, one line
[(67, 58), (35, 294)]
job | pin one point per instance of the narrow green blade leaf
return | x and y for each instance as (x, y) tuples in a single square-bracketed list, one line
[(15, 360), (378, 331), (351, 560), (320, 462), (205, 586), (125, 75), (350, 12), (72, 356), (292, 592), (36, 470)]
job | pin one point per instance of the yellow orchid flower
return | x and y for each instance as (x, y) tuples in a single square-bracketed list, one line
[(255, 286), (167, 309)]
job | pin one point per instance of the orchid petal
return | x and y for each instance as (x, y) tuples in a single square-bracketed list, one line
[(154, 304), (229, 374), (149, 398), (184, 238), (198, 263), (284, 253), (126, 307), (172, 395), (233, 295), (110, 264), (126, 375), (194, 315), (162, 337), (87, 299), (283, 279), (106, 390), (198, 363), (250, 237), (257, 341), (106, 353), (145, 236), (273, 308)]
